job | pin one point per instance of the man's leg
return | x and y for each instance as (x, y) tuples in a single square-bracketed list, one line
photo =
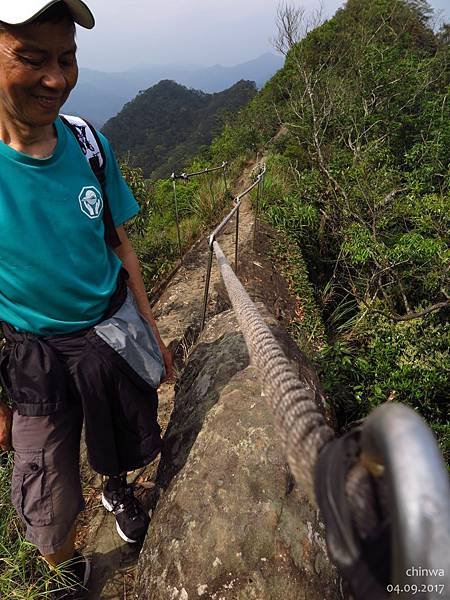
[(129, 437), (65, 553), (79, 568), (46, 486)]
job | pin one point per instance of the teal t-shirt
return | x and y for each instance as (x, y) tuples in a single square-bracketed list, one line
[(56, 272)]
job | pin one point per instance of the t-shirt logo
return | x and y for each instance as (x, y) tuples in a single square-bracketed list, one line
[(91, 202)]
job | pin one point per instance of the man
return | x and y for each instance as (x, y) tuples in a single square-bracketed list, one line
[(63, 290)]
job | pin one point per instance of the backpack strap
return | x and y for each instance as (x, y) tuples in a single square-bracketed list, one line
[(92, 148)]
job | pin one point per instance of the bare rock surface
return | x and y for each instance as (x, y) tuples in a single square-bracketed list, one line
[(231, 523)]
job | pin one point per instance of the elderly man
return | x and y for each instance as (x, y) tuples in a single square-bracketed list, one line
[(71, 304)]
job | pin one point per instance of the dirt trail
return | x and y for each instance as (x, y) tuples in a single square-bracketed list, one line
[(178, 313)]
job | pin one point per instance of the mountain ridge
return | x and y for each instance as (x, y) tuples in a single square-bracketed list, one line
[(100, 95)]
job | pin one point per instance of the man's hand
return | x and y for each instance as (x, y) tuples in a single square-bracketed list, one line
[(168, 363), (5, 427)]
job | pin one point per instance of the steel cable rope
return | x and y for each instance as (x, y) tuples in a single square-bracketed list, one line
[(299, 423)]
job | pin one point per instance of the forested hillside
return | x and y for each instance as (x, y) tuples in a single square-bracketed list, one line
[(356, 127), (166, 125), (359, 182)]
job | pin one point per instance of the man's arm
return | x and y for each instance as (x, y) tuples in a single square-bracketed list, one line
[(131, 263)]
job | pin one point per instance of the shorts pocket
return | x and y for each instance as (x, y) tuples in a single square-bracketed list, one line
[(30, 493)]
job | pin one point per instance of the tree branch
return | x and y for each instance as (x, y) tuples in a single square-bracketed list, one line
[(416, 315)]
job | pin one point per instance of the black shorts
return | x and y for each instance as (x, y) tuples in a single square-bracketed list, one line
[(120, 409), (47, 375), (122, 434), (55, 383)]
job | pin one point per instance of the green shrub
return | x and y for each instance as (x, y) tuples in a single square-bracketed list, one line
[(380, 360)]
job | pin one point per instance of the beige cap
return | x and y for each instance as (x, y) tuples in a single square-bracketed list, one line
[(15, 12)]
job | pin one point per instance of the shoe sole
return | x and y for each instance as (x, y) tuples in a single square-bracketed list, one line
[(109, 508)]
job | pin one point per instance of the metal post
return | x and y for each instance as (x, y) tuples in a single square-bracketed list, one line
[(236, 251), (208, 279), (258, 199), (176, 215), (396, 441), (211, 190), (225, 177)]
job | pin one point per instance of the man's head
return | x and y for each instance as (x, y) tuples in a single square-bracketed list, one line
[(38, 67)]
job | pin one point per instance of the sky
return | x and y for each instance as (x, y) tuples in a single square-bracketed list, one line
[(137, 33)]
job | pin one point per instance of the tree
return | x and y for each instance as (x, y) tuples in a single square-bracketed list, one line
[(293, 24), (362, 106)]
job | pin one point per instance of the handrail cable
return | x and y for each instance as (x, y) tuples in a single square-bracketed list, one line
[(211, 239), (185, 177), (291, 401), (237, 202), (395, 441), (202, 172)]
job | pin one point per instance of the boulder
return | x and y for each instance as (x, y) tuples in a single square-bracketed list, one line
[(230, 522)]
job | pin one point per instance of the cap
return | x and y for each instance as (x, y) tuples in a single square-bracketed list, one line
[(19, 13)]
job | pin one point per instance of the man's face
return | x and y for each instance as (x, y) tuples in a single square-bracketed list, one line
[(38, 70)]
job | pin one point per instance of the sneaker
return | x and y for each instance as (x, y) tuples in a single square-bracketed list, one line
[(131, 519), (74, 578)]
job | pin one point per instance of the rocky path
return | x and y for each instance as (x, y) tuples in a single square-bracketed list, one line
[(178, 312)]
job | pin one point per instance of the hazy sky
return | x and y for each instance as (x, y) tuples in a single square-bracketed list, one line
[(136, 32)]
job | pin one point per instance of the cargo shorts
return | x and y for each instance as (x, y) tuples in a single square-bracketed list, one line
[(46, 486), (92, 382)]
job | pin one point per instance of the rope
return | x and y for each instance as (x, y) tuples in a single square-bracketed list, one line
[(300, 424)]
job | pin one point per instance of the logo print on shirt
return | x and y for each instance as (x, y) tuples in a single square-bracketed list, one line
[(91, 202)]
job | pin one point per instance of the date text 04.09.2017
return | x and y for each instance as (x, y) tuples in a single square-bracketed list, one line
[(413, 588)]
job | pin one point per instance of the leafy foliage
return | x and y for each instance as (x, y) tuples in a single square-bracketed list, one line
[(359, 180), (406, 361)]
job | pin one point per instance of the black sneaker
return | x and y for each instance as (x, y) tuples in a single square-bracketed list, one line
[(131, 519), (72, 580)]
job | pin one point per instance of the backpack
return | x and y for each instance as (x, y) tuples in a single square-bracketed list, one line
[(92, 148)]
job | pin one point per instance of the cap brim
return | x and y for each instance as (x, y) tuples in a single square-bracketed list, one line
[(81, 13), (20, 13)]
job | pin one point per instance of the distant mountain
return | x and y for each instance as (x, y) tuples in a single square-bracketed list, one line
[(166, 125), (99, 96)]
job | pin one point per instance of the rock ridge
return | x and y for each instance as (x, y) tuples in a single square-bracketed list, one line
[(230, 523)]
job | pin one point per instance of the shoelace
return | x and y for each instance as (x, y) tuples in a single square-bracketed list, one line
[(124, 500)]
